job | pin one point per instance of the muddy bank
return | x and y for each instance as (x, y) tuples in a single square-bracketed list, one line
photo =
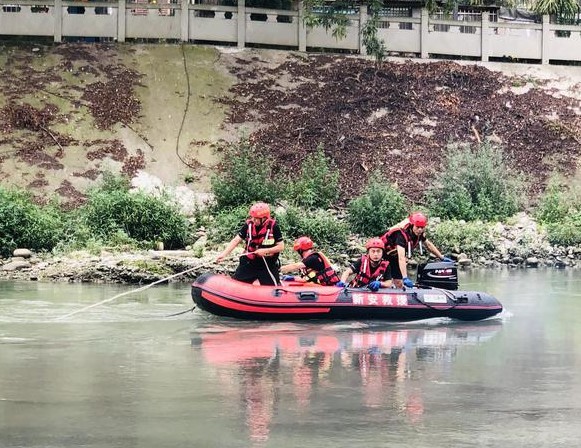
[(519, 245)]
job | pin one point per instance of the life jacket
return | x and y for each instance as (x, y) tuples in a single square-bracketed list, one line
[(326, 277), (411, 239), (366, 275), (259, 238)]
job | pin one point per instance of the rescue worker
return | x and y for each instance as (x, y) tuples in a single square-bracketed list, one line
[(371, 270), (314, 266), (263, 243), (402, 238)]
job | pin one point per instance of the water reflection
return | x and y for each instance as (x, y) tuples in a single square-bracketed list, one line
[(373, 367)]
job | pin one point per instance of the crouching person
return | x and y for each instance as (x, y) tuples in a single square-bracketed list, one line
[(314, 266), (371, 270)]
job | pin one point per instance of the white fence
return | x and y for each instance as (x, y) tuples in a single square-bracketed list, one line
[(241, 26)]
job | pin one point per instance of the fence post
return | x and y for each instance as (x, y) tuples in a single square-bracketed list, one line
[(424, 33), (121, 11), (302, 28), (546, 35), (241, 23), (485, 37), (58, 20), (185, 21), (362, 22)]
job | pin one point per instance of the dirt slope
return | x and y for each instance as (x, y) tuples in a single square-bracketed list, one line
[(70, 112)]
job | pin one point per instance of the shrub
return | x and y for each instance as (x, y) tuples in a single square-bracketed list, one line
[(475, 185), (459, 236), (558, 201), (566, 232), (25, 224), (378, 208), (317, 185), (320, 225), (226, 224), (115, 214), (244, 178)]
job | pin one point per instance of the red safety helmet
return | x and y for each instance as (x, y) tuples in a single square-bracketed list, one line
[(303, 243), (374, 242), (419, 219), (260, 210)]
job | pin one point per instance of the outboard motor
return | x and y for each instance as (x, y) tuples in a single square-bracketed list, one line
[(438, 274)]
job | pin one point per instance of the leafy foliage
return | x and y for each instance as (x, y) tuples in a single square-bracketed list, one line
[(565, 233), (244, 178), (227, 223), (558, 201), (27, 225), (378, 208), (373, 44), (460, 236), (475, 185), (114, 213), (317, 184), (321, 226)]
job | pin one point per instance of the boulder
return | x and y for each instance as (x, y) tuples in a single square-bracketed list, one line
[(16, 265), (532, 262), (24, 253)]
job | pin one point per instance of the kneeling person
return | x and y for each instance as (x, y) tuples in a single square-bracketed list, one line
[(370, 270), (314, 267)]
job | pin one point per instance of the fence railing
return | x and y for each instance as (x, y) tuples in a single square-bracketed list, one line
[(179, 20)]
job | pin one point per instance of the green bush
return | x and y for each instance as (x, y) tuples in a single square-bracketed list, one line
[(378, 208), (244, 178), (317, 185), (476, 185), (116, 215), (459, 236), (226, 224), (558, 201), (321, 226), (566, 232), (27, 225)]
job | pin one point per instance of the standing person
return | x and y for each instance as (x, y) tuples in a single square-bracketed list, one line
[(406, 236), (314, 266), (371, 270), (263, 240)]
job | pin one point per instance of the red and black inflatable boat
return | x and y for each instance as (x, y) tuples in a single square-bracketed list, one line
[(224, 296)]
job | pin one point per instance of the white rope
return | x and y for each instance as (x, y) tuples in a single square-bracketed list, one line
[(143, 288)]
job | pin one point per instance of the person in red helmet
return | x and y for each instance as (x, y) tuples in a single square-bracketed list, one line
[(314, 266), (263, 241), (399, 242), (371, 270)]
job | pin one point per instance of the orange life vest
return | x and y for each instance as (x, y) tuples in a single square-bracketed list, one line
[(259, 238), (366, 275), (412, 240), (326, 277)]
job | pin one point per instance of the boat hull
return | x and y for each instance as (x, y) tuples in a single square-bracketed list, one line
[(223, 296)]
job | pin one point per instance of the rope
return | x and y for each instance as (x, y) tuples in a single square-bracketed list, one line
[(143, 288)]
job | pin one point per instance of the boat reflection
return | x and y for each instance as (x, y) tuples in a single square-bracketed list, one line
[(383, 367)]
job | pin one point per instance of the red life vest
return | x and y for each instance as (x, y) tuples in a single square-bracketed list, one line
[(366, 275), (412, 240), (256, 238), (326, 277)]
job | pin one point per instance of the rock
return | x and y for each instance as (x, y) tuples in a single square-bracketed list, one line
[(24, 253), (16, 265), (517, 260), (464, 262), (532, 262)]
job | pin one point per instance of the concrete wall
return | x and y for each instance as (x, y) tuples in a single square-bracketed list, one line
[(181, 21)]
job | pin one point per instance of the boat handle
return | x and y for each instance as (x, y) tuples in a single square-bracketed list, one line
[(308, 296)]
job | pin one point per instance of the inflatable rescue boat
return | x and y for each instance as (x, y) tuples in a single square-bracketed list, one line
[(436, 295)]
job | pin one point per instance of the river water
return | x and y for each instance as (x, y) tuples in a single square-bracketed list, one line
[(124, 375)]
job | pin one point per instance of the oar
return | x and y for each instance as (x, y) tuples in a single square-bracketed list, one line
[(143, 288)]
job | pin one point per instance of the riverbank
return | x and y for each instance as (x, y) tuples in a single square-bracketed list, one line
[(520, 244)]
